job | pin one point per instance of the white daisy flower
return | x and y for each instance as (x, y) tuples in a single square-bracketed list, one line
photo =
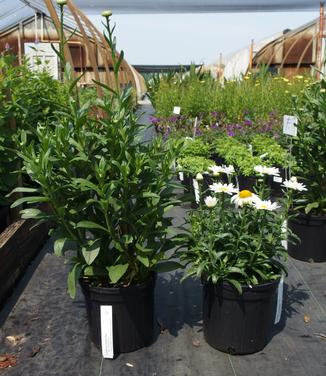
[(223, 188), (265, 205), (263, 170), (229, 170), (294, 184), (216, 170), (244, 197), (210, 201)]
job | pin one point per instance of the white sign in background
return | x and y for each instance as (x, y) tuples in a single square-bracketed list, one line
[(42, 56), (289, 125), (176, 110), (277, 179), (107, 332)]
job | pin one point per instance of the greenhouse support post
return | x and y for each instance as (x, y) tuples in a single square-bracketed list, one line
[(320, 40)]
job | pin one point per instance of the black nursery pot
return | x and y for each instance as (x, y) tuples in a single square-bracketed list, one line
[(187, 183), (276, 188), (247, 182), (132, 310), (217, 159), (312, 233), (239, 324), (189, 188)]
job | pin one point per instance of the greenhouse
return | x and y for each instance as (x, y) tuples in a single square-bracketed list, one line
[(162, 188)]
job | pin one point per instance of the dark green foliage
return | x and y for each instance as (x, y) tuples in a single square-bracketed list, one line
[(109, 192), (309, 148), (27, 99)]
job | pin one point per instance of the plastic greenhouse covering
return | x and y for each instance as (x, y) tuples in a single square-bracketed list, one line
[(188, 6), (14, 11)]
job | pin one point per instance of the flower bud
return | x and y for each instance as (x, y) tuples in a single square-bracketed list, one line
[(62, 2), (107, 13), (210, 202), (199, 177)]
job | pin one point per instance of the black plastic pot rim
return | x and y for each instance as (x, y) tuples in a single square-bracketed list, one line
[(309, 217), (120, 289), (244, 288)]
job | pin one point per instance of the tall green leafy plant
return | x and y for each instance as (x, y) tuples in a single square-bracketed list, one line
[(8, 158), (309, 148), (27, 98), (251, 97), (109, 193)]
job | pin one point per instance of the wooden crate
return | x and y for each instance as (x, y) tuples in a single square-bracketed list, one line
[(19, 244)]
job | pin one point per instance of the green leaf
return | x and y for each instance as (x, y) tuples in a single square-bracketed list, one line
[(167, 266), (91, 252), (116, 272), (143, 260), (167, 208), (29, 200), (86, 184), (73, 277), (235, 284), (142, 249), (150, 195), (31, 213), (58, 246), (309, 207), (105, 86), (233, 269), (94, 271), (118, 63), (75, 82), (23, 190), (90, 224)]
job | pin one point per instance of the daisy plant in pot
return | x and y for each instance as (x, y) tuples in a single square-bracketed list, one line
[(309, 152), (109, 195), (235, 246)]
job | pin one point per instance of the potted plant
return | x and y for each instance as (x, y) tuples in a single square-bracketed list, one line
[(109, 194), (190, 166), (310, 154), (235, 246), (272, 154), (26, 98), (241, 157), (195, 147)]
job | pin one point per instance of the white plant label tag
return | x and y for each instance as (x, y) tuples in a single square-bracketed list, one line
[(181, 177), (289, 125), (196, 189), (195, 127), (107, 332), (279, 301), (277, 179), (176, 110)]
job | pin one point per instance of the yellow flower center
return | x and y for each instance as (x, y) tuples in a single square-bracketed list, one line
[(263, 206), (245, 194)]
